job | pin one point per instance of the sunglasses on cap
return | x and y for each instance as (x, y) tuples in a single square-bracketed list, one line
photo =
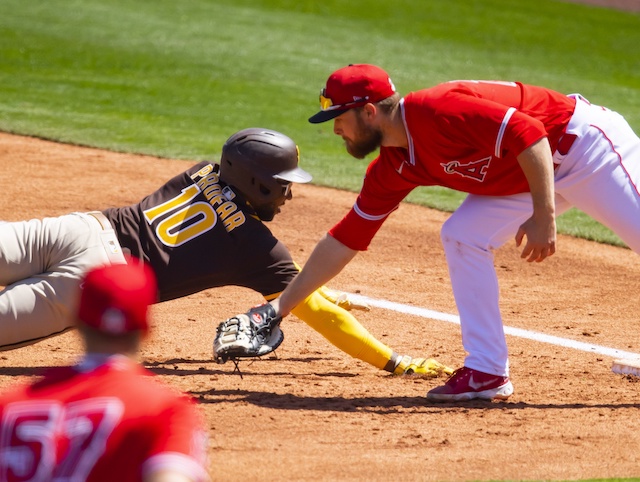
[(327, 104)]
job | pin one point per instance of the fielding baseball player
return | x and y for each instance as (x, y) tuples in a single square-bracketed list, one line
[(523, 153), (106, 418), (204, 228)]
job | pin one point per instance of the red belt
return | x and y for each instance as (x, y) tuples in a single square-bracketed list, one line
[(565, 143)]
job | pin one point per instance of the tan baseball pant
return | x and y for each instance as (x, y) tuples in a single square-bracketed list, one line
[(42, 263)]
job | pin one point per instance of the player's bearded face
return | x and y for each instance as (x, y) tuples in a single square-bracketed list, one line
[(366, 139)]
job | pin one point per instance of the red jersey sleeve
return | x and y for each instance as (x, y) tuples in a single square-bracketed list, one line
[(382, 191), (354, 231)]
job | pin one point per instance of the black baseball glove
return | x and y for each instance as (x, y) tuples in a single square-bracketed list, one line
[(252, 334)]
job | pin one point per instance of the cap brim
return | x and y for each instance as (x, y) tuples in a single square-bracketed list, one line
[(325, 115), (294, 175)]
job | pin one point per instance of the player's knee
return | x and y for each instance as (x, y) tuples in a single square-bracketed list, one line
[(452, 232), (457, 238)]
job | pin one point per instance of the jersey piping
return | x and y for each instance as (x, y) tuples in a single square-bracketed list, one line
[(503, 128), (412, 157), (369, 217)]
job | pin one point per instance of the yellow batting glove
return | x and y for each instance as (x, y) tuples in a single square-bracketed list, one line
[(425, 367)]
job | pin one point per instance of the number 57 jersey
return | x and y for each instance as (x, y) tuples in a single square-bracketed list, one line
[(109, 422), (198, 233)]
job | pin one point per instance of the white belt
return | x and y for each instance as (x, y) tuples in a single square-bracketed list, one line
[(109, 239)]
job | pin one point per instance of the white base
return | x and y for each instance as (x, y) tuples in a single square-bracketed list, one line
[(630, 366)]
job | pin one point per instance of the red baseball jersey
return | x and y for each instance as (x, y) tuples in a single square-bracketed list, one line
[(463, 135), (104, 423)]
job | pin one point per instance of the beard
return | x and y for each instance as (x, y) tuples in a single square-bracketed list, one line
[(368, 140)]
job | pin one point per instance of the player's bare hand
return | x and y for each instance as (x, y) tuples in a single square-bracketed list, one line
[(541, 239)]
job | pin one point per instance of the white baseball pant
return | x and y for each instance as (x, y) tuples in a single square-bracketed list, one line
[(600, 175)]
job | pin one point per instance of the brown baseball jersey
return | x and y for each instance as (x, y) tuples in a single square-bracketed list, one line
[(198, 233)]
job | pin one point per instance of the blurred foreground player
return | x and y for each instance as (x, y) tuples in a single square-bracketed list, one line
[(106, 418)]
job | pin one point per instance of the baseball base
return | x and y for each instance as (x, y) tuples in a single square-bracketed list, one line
[(630, 366)]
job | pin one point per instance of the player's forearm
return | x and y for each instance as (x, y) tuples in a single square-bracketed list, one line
[(328, 258), (537, 164)]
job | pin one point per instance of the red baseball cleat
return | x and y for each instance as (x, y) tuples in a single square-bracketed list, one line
[(467, 384)]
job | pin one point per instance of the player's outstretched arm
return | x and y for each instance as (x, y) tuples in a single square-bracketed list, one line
[(327, 260), (340, 298), (256, 332)]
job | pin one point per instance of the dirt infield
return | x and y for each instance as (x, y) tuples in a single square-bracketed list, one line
[(316, 414)]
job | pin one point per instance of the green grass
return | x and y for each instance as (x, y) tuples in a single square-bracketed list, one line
[(175, 79)]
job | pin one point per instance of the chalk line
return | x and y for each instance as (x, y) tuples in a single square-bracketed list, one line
[(530, 335)]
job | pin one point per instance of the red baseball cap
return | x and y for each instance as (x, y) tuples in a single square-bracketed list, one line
[(114, 299), (352, 86)]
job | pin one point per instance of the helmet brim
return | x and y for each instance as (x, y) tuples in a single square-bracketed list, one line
[(294, 175)]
